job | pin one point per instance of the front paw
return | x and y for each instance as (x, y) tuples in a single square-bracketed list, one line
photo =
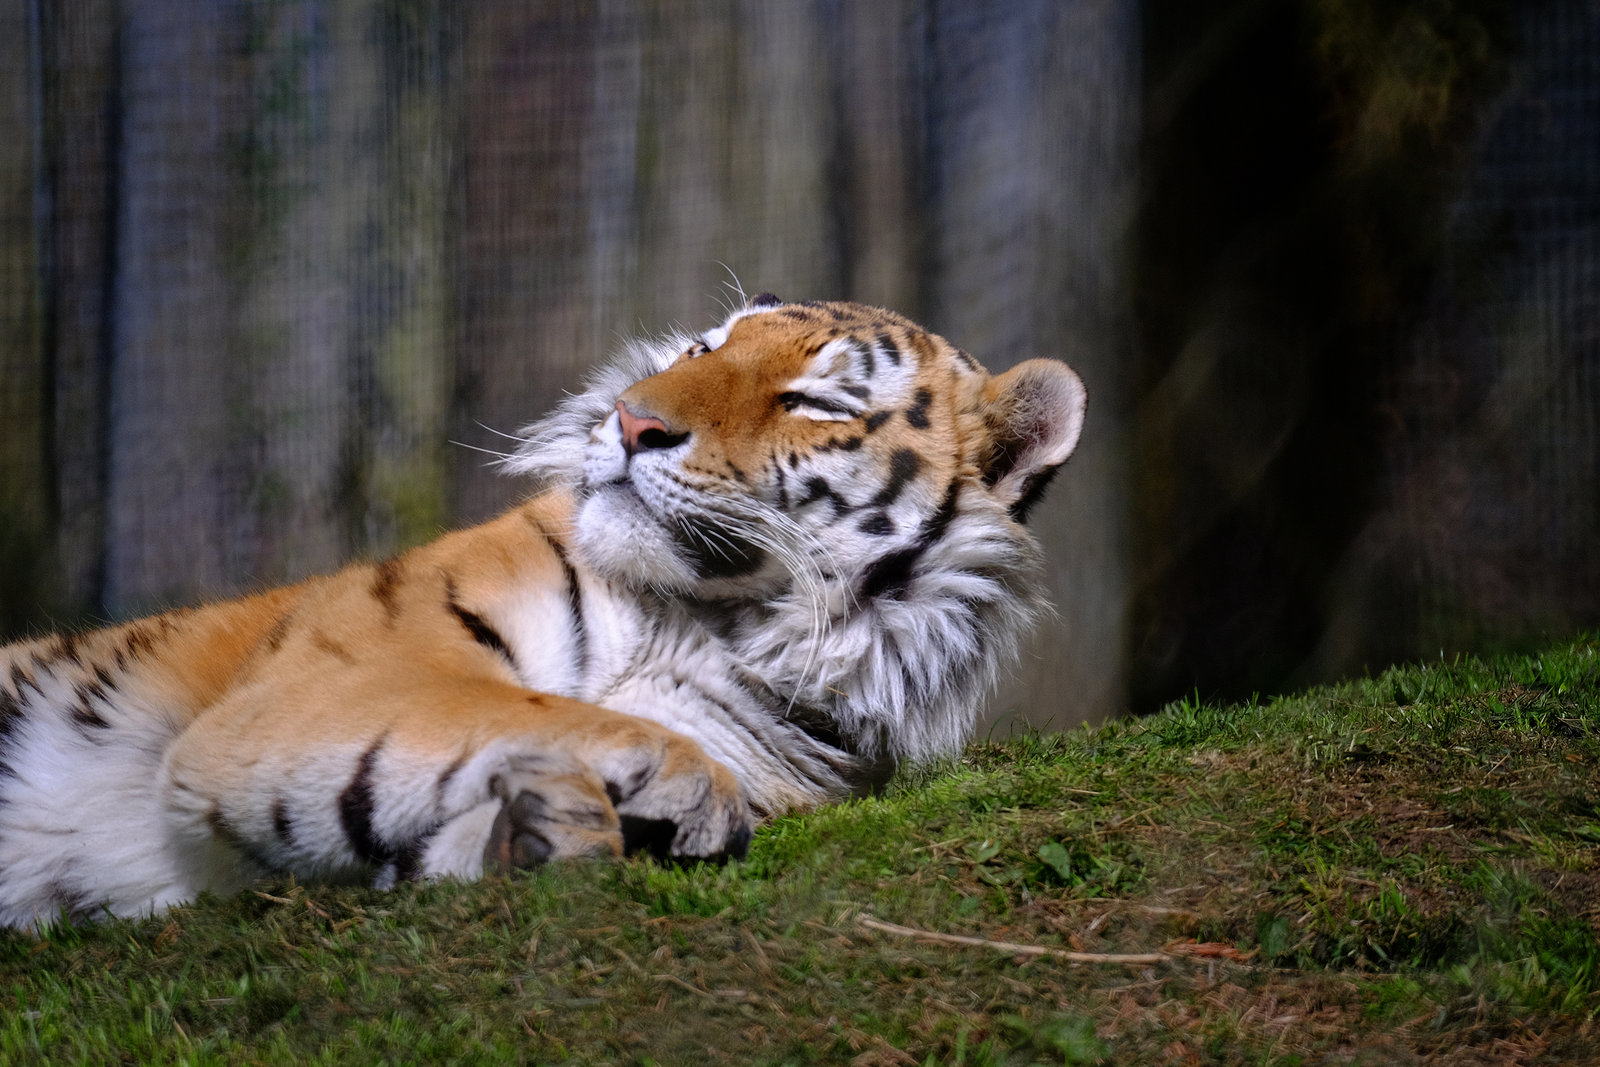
[(550, 817), (530, 818), (676, 802)]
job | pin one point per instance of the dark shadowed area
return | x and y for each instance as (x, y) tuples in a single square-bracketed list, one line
[(272, 272)]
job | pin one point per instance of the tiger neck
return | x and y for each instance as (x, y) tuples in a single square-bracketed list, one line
[(910, 647), (898, 670), (687, 674), (810, 694)]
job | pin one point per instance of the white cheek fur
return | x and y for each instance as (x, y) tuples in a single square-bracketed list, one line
[(618, 536), (604, 459)]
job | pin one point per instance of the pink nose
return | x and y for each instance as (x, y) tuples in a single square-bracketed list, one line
[(643, 432)]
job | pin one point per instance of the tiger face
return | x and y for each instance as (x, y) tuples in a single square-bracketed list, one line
[(818, 442)]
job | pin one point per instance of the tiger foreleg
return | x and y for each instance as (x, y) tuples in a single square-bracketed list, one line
[(444, 778)]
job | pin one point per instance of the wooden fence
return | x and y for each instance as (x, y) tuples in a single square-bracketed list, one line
[(272, 270)]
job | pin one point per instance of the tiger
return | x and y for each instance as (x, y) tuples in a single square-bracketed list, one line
[(758, 568)]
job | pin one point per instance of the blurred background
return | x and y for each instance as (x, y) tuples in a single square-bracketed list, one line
[(1330, 268)]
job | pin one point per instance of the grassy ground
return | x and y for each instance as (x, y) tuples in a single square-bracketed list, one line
[(1399, 870)]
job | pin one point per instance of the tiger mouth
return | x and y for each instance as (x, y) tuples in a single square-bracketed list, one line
[(709, 547), (715, 551)]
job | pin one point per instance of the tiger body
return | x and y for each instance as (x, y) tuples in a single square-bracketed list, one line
[(766, 563)]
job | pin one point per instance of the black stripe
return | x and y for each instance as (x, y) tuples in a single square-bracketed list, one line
[(408, 864), (282, 825), (840, 444), (839, 751), (917, 413), (877, 419), (83, 712), (638, 776), (356, 807), (1033, 488), (62, 647), (323, 643), (792, 400), (481, 631), (280, 629), (10, 715), (231, 837), (934, 529), (580, 631), (890, 349), (386, 586), (922, 344), (817, 488), (135, 644), (903, 466), (20, 677), (815, 723), (892, 572), (878, 524), (445, 776)]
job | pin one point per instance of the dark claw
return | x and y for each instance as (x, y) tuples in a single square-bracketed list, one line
[(654, 836), (648, 835), (738, 845)]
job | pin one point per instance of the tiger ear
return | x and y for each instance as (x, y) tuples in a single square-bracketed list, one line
[(1034, 414)]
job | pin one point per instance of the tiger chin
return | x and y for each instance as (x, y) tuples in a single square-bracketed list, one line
[(763, 565)]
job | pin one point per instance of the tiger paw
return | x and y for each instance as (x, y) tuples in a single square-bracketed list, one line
[(675, 802), (549, 817), (529, 818)]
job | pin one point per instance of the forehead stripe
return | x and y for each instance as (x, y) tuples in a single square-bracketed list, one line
[(890, 349), (869, 362)]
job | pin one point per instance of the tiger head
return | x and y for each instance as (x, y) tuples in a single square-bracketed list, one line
[(822, 461), (802, 438)]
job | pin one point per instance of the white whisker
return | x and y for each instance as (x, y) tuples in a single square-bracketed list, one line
[(798, 550), (733, 283), (518, 438), (485, 451)]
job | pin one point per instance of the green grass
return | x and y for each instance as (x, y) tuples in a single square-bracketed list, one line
[(1403, 869)]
